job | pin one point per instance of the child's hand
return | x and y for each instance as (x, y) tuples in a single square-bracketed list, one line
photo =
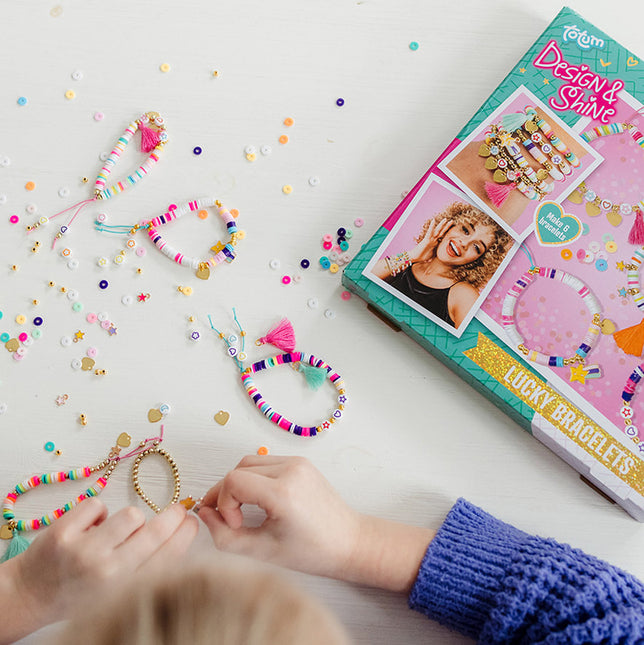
[(308, 526), (69, 561), (425, 250)]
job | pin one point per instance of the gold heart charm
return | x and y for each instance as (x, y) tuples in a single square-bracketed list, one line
[(632, 61), (203, 272), (608, 327), (491, 163), (592, 209), (5, 532), (614, 218), (87, 363), (154, 415), (531, 126), (484, 150), (499, 177), (542, 173), (12, 344), (575, 197), (222, 417), (124, 440)]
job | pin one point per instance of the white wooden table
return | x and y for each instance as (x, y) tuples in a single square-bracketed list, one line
[(414, 437)]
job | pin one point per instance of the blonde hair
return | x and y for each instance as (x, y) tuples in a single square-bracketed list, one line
[(206, 603), (476, 273)]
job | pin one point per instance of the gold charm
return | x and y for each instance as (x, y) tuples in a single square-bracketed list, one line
[(12, 345), (87, 363), (222, 417), (531, 125), (203, 272), (484, 150), (542, 174), (592, 210), (154, 415), (499, 177), (124, 440), (575, 197), (5, 532), (218, 247), (608, 327), (614, 218), (188, 502), (491, 163)]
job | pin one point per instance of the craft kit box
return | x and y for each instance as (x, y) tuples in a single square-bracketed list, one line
[(515, 259)]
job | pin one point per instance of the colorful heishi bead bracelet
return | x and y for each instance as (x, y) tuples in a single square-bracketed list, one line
[(596, 204), (578, 372), (272, 415), (315, 371), (223, 251), (153, 137), (626, 411)]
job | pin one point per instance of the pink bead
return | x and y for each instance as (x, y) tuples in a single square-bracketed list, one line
[(327, 245), (14, 219), (286, 279), (327, 238), (106, 324), (92, 351), (358, 222), (91, 318), (23, 337), (581, 254), (345, 295), (140, 251)]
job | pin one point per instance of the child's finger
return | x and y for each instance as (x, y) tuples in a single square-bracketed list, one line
[(261, 460), (243, 487), (151, 537), (86, 514), (118, 527), (251, 541), (176, 545)]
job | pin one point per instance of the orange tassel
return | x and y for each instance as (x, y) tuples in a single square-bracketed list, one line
[(631, 339)]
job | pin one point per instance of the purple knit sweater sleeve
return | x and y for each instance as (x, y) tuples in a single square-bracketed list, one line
[(497, 584)]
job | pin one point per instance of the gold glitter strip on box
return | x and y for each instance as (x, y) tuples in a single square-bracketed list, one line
[(558, 411)]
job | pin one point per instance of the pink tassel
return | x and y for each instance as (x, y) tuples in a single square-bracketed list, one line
[(282, 336), (636, 236), (498, 193), (149, 138)]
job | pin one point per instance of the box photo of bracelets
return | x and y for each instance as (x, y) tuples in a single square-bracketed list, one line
[(521, 155)]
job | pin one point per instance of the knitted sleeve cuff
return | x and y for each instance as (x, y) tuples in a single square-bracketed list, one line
[(463, 568)]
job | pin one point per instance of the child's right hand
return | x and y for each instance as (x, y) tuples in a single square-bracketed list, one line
[(308, 527), (425, 250)]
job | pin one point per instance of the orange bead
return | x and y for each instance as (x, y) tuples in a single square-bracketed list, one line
[(288, 121), (202, 214), (234, 212), (263, 450), (283, 139), (30, 185)]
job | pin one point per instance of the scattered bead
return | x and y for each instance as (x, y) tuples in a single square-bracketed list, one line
[(283, 139), (70, 94), (103, 284), (98, 116), (339, 102), (77, 75), (14, 219), (266, 150), (197, 150), (304, 263), (413, 45), (345, 295), (262, 450), (49, 446), (82, 419), (164, 67), (30, 185), (286, 279), (358, 222), (314, 181), (288, 122), (312, 303), (287, 189), (274, 263), (329, 313), (22, 100)]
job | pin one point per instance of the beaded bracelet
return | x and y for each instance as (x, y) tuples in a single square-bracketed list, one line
[(398, 263), (280, 420), (153, 138), (12, 529), (589, 340), (315, 370), (626, 411), (223, 252)]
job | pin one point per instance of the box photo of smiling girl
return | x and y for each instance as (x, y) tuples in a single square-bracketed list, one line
[(516, 258)]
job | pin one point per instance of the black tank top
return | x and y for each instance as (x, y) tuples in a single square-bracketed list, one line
[(434, 300)]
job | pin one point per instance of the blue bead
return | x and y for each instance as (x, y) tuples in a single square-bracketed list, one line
[(103, 284), (304, 263)]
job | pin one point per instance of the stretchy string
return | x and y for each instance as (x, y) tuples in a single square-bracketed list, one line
[(626, 411)]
